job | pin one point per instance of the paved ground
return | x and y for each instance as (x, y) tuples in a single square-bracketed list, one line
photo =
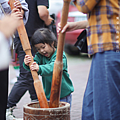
[(78, 68)]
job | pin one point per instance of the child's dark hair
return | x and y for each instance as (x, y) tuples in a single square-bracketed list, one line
[(43, 35)]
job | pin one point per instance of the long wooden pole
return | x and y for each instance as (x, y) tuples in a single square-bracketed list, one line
[(58, 65), (27, 48)]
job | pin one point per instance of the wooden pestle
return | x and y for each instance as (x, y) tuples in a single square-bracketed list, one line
[(58, 65)]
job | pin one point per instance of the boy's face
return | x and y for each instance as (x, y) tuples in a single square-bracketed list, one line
[(45, 49)]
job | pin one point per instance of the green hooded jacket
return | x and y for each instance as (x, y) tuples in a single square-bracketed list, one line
[(46, 66)]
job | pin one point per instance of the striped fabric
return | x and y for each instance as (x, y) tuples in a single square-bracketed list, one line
[(104, 24)]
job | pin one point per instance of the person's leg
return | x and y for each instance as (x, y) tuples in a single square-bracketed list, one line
[(87, 108), (3, 93), (32, 92), (23, 83), (67, 99), (18, 90), (106, 87)]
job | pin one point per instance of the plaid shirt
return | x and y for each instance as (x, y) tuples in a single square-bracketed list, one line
[(103, 32)]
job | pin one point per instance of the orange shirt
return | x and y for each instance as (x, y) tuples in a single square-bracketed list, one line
[(103, 32)]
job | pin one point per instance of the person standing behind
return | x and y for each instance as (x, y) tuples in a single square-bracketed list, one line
[(5, 9), (8, 25), (38, 18), (102, 95)]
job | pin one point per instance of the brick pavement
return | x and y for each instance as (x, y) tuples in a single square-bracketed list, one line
[(78, 68)]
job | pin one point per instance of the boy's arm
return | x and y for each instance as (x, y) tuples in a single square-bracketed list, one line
[(47, 69), (85, 6)]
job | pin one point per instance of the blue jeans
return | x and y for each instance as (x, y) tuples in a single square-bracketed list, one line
[(102, 95), (67, 99)]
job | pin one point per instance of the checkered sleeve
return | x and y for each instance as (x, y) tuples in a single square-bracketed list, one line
[(85, 6)]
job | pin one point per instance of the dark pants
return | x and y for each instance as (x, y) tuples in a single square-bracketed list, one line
[(24, 81), (3, 93)]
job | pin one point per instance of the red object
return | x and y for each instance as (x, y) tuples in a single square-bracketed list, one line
[(15, 61)]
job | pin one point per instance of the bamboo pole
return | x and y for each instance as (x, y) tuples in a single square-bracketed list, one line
[(27, 48), (58, 65)]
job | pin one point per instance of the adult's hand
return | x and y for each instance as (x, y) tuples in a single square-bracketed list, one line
[(9, 24), (68, 27), (18, 6), (71, 26), (16, 12)]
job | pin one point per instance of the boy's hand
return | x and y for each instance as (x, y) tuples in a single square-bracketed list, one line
[(27, 60), (34, 66)]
